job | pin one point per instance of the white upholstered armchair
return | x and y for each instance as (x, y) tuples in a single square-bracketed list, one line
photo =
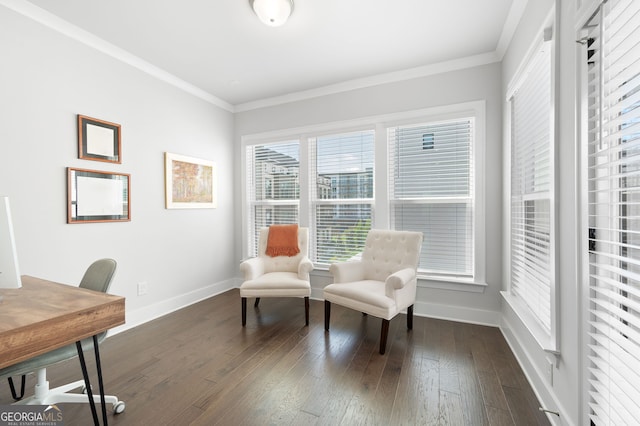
[(382, 283), (277, 276)]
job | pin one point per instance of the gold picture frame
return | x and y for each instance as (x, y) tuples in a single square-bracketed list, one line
[(190, 183)]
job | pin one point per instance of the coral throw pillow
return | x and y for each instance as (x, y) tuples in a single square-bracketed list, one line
[(283, 240)]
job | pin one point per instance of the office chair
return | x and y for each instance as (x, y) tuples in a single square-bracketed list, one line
[(382, 283), (277, 276), (97, 278)]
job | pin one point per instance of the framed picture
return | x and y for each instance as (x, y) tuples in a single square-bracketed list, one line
[(96, 196), (98, 140), (190, 183)]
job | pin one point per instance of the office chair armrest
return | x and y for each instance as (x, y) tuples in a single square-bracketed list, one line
[(398, 280), (346, 272), (304, 267), (252, 268)]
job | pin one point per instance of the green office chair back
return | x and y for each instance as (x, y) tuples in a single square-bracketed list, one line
[(99, 275)]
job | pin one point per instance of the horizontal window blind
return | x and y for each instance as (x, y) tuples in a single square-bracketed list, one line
[(273, 186), (342, 194), (613, 55), (531, 188), (431, 191)]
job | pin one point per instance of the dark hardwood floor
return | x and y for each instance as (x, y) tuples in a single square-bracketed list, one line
[(199, 366)]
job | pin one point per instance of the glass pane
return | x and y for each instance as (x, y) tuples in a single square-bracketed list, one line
[(273, 186), (427, 162), (266, 215), (447, 235), (342, 169), (276, 169), (344, 166), (531, 134), (530, 248), (431, 160), (341, 231)]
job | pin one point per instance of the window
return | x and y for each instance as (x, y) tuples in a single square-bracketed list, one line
[(532, 266), (273, 186), (427, 141), (613, 68), (431, 190), (342, 188), (336, 179)]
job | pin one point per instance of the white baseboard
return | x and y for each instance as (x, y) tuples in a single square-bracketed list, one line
[(148, 313)]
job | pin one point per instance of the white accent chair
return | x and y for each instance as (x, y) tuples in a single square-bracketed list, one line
[(279, 276), (382, 283)]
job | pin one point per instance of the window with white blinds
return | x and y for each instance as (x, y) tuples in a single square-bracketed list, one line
[(532, 260), (613, 69), (429, 183), (342, 194), (273, 186), (431, 191)]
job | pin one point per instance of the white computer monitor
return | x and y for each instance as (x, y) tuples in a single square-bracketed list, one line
[(9, 271)]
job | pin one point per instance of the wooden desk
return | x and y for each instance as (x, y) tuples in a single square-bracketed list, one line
[(43, 315)]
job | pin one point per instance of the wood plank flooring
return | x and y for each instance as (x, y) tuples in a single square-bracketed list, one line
[(198, 366)]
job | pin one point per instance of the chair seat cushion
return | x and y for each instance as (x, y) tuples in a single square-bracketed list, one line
[(366, 296), (48, 359), (276, 284)]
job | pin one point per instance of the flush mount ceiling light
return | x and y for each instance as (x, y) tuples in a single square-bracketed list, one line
[(272, 12)]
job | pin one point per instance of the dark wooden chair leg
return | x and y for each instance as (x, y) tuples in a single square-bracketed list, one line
[(383, 336), (327, 314), (255, 305), (244, 311), (306, 310), (410, 317)]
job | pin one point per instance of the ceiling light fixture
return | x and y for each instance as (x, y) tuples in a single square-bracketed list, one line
[(272, 12)]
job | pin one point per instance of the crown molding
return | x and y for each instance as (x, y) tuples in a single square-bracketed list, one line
[(376, 80)]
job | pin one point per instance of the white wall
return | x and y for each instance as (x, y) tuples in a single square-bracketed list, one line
[(472, 84), (563, 392), (46, 79)]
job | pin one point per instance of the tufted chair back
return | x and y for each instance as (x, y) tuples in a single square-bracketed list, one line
[(386, 252), (283, 263)]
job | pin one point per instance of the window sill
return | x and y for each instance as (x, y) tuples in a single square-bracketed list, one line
[(541, 337), (451, 283), (424, 281)]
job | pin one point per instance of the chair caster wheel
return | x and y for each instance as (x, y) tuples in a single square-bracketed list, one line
[(119, 407)]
